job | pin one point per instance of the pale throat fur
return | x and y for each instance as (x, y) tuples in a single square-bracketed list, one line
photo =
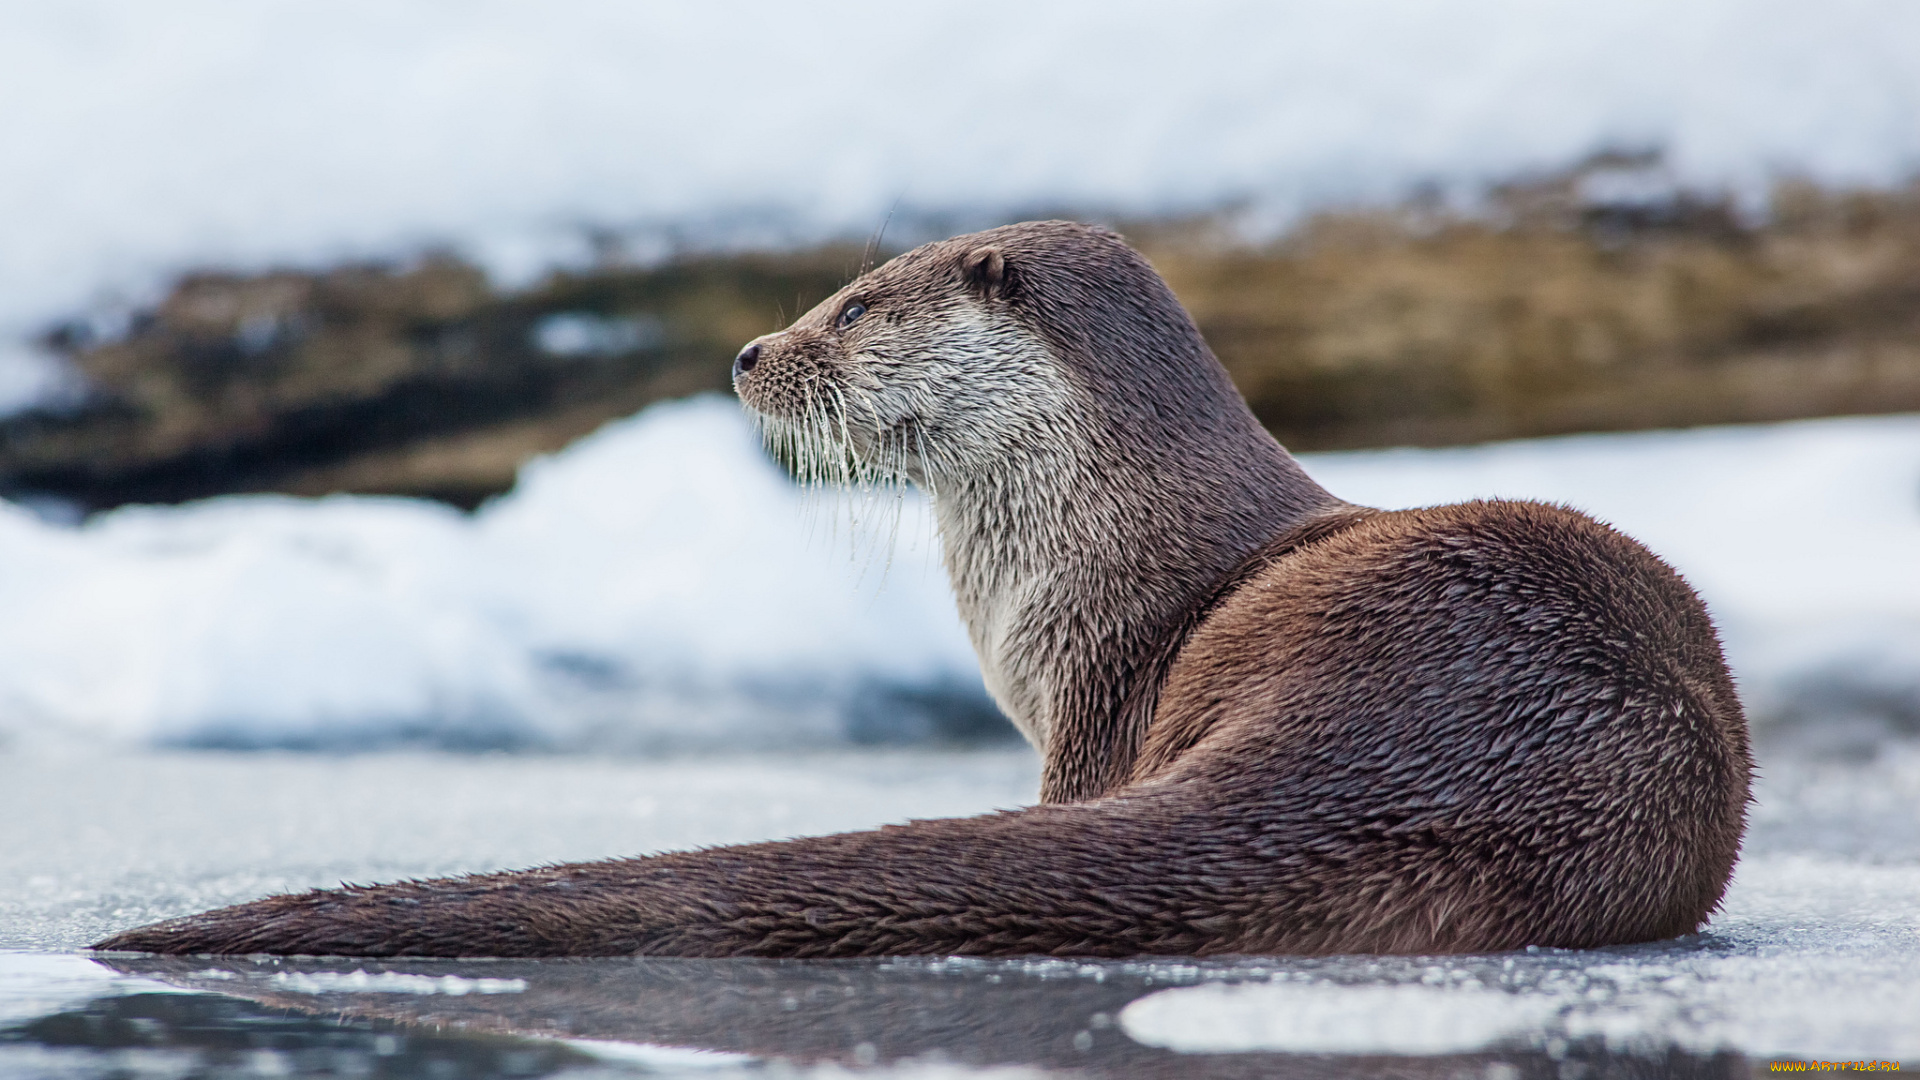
[(1074, 535)]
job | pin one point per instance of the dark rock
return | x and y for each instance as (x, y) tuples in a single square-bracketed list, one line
[(421, 380)]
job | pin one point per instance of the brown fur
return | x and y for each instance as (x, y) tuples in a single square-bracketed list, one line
[(1271, 721)]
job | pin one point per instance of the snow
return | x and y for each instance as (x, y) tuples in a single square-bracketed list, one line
[(360, 981), (662, 584), (33, 985), (1215, 1018), (651, 1060), (143, 139), (659, 583)]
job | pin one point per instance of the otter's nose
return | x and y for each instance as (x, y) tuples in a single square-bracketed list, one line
[(748, 357)]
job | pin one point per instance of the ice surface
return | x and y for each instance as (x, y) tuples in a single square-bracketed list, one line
[(661, 584), (93, 841), (142, 139), (1813, 955)]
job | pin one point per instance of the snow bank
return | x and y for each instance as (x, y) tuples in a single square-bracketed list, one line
[(660, 583), (141, 138)]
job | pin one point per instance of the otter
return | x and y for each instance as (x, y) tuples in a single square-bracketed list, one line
[(1272, 721)]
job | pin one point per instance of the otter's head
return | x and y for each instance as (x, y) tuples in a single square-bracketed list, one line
[(959, 355)]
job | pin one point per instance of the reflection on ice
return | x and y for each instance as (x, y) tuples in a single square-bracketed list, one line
[(1712, 1005), (907, 1017)]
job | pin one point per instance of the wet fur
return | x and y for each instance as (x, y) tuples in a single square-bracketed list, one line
[(1271, 721)]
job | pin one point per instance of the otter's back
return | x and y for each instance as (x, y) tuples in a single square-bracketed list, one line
[(1506, 695)]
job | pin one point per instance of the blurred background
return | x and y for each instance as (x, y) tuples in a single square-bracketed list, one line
[(352, 356)]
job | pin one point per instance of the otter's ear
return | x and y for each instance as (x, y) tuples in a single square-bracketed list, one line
[(985, 272)]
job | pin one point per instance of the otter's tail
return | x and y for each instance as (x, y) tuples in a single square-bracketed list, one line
[(1120, 876)]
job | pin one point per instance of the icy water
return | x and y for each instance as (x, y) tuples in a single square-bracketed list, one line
[(1816, 957)]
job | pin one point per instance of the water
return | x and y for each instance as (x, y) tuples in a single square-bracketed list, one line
[(1814, 955)]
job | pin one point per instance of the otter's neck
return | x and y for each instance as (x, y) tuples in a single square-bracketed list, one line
[(1074, 559)]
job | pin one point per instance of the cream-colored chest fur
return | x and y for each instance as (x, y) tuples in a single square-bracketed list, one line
[(1007, 596)]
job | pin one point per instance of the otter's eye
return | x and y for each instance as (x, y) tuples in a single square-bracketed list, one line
[(852, 312)]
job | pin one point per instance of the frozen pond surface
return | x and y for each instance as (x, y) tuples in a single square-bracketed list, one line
[(1814, 957)]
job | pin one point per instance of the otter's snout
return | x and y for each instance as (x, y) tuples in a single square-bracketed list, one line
[(776, 375)]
